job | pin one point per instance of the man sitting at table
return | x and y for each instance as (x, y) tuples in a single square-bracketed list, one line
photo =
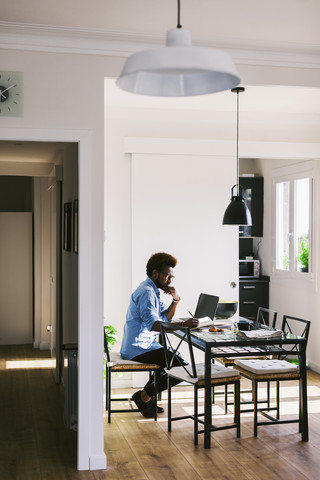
[(144, 314)]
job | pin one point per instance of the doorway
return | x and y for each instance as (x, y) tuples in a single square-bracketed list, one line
[(90, 299), (31, 244)]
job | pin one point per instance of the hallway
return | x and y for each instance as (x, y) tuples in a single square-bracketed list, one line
[(35, 444)]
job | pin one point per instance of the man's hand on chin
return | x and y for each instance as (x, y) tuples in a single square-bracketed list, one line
[(171, 291)]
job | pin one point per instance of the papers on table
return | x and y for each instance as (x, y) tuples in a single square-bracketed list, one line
[(207, 322), (223, 323), (259, 333), (204, 322)]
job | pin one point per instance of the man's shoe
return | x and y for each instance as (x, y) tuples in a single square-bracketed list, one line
[(145, 408), (152, 402)]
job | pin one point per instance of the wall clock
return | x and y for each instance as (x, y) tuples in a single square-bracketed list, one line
[(11, 94)]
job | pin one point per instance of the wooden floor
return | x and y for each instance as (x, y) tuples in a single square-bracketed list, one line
[(35, 444)]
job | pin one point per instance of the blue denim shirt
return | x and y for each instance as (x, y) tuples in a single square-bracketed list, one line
[(145, 308)]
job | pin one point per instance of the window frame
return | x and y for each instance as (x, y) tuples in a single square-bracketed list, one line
[(291, 173)]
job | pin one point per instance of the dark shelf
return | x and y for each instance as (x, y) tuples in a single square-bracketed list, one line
[(253, 195)]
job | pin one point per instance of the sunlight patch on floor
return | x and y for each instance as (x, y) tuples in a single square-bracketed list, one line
[(36, 363)]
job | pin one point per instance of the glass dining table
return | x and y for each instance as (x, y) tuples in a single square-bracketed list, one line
[(230, 343)]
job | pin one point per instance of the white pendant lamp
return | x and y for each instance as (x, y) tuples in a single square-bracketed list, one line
[(237, 212), (178, 69)]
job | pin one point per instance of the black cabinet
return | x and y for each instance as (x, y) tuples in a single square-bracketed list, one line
[(253, 293), (253, 195)]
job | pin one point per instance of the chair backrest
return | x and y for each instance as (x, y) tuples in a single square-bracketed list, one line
[(266, 316), (296, 326), (106, 349), (171, 360)]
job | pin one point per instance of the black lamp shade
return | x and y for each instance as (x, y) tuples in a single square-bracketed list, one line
[(237, 212)]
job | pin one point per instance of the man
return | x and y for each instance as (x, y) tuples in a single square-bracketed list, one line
[(144, 314)]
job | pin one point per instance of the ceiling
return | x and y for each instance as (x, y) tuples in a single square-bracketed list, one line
[(254, 99), (273, 26), (35, 152), (287, 23)]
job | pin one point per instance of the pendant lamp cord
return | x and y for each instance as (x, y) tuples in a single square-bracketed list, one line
[(238, 90), (179, 24), (237, 142)]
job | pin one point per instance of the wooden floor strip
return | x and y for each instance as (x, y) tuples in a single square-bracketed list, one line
[(35, 443)]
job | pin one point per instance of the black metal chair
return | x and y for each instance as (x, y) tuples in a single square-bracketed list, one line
[(115, 364), (265, 316), (194, 375), (274, 370)]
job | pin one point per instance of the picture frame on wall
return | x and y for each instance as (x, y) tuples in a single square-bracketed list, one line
[(67, 226), (75, 225)]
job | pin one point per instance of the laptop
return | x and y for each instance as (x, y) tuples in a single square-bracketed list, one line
[(206, 306), (206, 309)]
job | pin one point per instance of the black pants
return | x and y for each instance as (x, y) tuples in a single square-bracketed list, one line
[(157, 357)]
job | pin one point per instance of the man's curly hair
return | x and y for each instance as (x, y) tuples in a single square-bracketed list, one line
[(159, 261)]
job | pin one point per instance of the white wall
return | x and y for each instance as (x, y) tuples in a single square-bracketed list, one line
[(56, 109), (16, 305), (299, 298), (175, 209), (213, 183)]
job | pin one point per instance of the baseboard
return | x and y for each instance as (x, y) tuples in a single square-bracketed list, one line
[(314, 367), (98, 462)]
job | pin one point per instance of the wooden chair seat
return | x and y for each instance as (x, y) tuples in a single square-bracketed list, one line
[(264, 370), (219, 375), (116, 364), (271, 370), (230, 361)]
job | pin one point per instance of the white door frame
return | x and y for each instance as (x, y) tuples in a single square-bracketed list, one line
[(91, 454)]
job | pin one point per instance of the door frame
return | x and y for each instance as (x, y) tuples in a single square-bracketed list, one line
[(91, 454)]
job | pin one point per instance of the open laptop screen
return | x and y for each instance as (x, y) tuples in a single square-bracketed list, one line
[(206, 306)]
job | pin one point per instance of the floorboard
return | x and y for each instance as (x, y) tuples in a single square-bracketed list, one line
[(35, 443)]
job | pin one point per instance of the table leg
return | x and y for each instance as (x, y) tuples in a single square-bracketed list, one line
[(207, 399), (303, 395)]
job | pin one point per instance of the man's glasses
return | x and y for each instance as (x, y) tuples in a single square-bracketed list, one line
[(167, 276)]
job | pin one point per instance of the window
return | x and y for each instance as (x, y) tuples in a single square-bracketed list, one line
[(293, 192)]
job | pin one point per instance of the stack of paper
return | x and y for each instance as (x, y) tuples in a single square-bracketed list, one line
[(220, 323), (204, 322), (260, 333)]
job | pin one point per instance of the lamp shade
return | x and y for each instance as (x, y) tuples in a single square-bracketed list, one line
[(179, 69), (237, 212)]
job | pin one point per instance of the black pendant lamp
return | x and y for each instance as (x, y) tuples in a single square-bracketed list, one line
[(237, 212)]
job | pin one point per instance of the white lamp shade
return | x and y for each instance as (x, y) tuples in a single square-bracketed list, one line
[(178, 69)]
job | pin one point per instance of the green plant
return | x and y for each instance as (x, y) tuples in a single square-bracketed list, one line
[(111, 337), (303, 255), (110, 333)]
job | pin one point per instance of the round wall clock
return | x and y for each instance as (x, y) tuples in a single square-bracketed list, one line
[(11, 94)]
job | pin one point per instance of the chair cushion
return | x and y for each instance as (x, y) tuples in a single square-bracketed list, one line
[(217, 372), (262, 367), (116, 362)]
